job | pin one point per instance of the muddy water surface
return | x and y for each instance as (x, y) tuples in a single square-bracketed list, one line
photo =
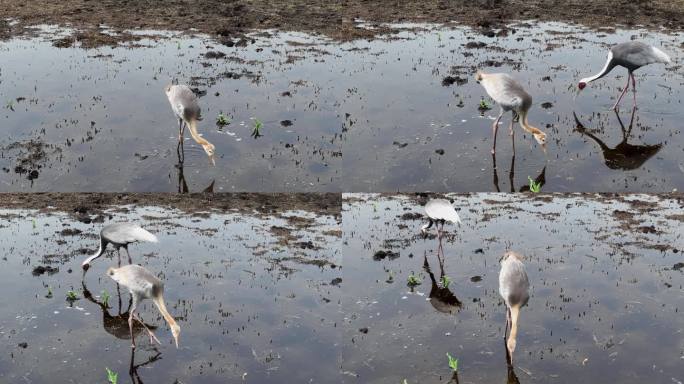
[(605, 282), (256, 296), (401, 108)]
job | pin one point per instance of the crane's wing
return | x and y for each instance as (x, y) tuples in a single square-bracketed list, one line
[(441, 209), (505, 90), (124, 233), (636, 53), (513, 282)]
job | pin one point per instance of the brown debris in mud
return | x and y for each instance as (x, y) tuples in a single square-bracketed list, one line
[(229, 20)]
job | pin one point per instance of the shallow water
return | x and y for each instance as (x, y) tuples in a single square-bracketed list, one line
[(244, 313), (605, 296), (381, 104)]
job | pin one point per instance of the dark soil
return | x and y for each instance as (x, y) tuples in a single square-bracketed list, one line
[(93, 204), (229, 20)]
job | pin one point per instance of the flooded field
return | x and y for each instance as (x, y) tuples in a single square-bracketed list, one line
[(606, 278), (394, 113), (256, 293)]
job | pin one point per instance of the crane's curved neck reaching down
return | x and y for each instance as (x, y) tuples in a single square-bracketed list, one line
[(606, 68), (159, 302), (515, 312), (526, 125), (100, 251), (192, 125)]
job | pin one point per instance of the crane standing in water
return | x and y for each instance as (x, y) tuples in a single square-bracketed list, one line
[(511, 96), (185, 106), (119, 235), (440, 211), (142, 284), (631, 55), (513, 288)]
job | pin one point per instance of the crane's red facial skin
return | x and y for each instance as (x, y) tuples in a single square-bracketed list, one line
[(581, 85)]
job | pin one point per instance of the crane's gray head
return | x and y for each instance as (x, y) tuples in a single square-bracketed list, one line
[(167, 89), (175, 332), (210, 149), (511, 346), (581, 85)]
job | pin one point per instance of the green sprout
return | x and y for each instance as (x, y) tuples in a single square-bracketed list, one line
[(105, 298), (534, 186), (405, 382), (453, 363), (10, 105), (72, 296), (445, 281), (256, 131), (33, 221), (222, 120), (484, 105), (413, 281), (178, 45), (49, 293), (112, 376)]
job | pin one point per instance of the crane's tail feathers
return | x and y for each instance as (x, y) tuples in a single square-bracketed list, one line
[(143, 235), (662, 56)]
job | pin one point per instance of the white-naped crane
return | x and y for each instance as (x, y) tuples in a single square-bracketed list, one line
[(186, 108), (631, 55), (440, 211), (510, 96), (142, 284), (513, 288), (119, 235)]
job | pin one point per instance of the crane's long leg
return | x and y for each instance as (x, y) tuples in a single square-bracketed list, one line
[(495, 128), (633, 89), (131, 316), (118, 254), (180, 130), (153, 338), (623, 92), (512, 133), (130, 261)]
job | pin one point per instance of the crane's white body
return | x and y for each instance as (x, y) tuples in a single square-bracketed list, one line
[(142, 284), (440, 210), (119, 235)]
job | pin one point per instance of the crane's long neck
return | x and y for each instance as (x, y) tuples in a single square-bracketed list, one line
[(192, 125), (100, 251), (606, 68), (515, 312), (175, 329), (526, 125)]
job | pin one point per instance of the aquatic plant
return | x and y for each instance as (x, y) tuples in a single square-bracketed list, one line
[(10, 105), (49, 293), (105, 298), (390, 279), (445, 281), (112, 376), (222, 120), (413, 280), (33, 222), (534, 186), (72, 296), (453, 363), (484, 105), (256, 130)]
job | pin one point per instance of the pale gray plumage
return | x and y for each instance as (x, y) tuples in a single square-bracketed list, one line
[(142, 284), (631, 55), (119, 235), (185, 106), (440, 211), (513, 288), (510, 96)]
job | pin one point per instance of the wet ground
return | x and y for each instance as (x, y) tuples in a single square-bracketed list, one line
[(606, 278), (256, 294), (401, 108)]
